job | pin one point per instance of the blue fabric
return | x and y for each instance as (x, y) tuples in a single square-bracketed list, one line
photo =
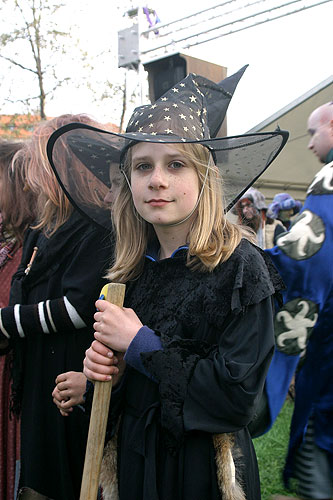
[(153, 252), (281, 201), (145, 340), (278, 379), (304, 324), (329, 156)]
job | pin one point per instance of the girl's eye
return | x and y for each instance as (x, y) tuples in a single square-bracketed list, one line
[(176, 165), (143, 166)]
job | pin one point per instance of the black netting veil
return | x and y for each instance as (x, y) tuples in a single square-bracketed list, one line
[(91, 167)]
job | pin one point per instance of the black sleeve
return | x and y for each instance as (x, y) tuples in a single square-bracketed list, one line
[(223, 389), (278, 230), (84, 276), (215, 388), (80, 285)]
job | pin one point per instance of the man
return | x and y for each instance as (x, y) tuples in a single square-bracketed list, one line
[(304, 325), (283, 207)]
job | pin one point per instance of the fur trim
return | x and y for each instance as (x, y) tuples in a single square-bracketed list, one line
[(225, 465), (226, 473), (108, 477)]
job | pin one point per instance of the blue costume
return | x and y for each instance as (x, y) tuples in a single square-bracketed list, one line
[(304, 325)]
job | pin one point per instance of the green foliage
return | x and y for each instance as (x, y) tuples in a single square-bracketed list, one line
[(271, 450)]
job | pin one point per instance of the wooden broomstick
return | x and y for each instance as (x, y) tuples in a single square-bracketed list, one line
[(114, 293)]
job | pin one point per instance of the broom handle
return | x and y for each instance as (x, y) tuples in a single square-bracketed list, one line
[(99, 416)]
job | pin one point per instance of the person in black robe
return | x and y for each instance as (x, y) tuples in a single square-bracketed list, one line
[(189, 351), (48, 323)]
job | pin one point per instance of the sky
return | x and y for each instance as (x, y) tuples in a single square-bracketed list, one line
[(286, 57)]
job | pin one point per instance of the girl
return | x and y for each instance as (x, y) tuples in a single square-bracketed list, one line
[(189, 351), (48, 323)]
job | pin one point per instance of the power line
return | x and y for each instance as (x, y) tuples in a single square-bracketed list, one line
[(215, 16), (258, 23), (187, 40)]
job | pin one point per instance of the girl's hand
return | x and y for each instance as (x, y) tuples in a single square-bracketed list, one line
[(115, 326), (69, 390), (102, 364)]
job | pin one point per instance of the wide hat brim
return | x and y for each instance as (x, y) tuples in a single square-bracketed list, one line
[(93, 158)]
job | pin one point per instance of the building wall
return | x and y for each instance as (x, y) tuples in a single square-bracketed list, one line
[(295, 166)]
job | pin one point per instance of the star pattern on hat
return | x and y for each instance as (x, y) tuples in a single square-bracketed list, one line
[(185, 103), (94, 155)]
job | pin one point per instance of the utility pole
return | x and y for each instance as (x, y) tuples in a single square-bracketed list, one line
[(129, 45), (165, 70)]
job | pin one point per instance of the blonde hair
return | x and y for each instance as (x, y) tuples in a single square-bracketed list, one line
[(212, 238), (53, 206)]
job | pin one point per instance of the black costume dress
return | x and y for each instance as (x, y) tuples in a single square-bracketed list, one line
[(70, 264), (217, 340)]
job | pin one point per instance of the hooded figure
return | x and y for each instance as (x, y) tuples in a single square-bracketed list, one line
[(251, 211), (283, 208)]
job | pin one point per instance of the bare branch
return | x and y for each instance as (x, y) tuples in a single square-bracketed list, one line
[(58, 84), (18, 64)]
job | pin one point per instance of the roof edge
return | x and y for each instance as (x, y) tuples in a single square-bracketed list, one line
[(292, 105)]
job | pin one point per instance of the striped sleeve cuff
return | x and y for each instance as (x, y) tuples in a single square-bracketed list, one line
[(50, 316)]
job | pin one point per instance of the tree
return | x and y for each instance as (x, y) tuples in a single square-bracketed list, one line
[(34, 47), (115, 96), (30, 44)]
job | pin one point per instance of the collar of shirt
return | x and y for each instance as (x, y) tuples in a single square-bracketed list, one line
[(154, 249), (329, 157)]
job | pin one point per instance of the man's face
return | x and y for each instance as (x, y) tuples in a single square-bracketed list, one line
[(284, 215), (321, 132), (248, 209)]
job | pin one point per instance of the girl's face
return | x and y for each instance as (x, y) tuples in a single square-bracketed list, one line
[(165, 184), (116, 180)]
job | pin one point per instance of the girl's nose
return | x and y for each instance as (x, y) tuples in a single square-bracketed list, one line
[(158, 178), (109, 197)]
